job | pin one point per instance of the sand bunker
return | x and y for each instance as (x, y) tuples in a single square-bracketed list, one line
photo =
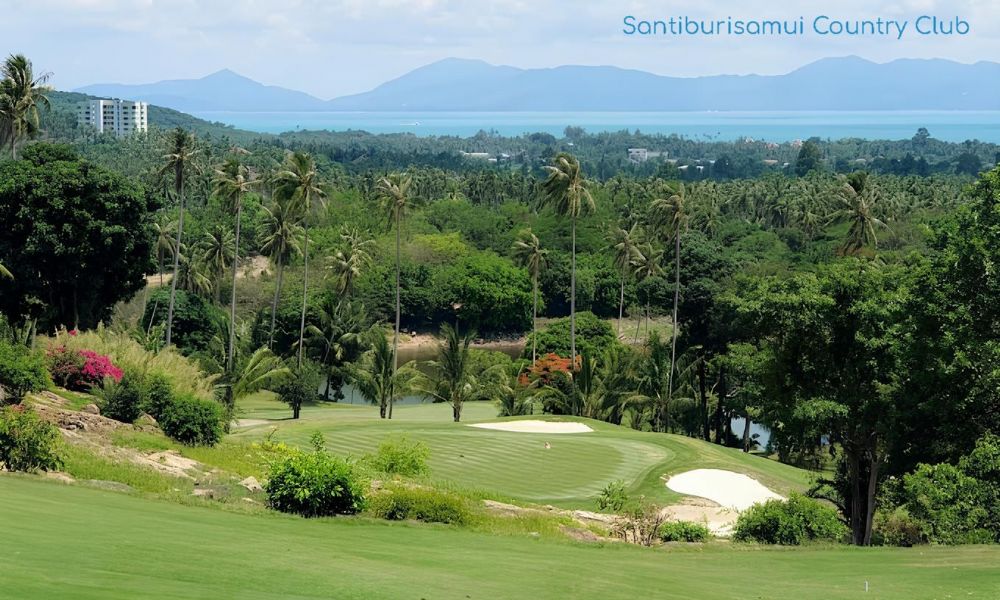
[(725, 488), (531, 426)]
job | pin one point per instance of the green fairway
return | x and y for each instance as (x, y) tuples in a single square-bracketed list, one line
[(71, 543), (517, 465)]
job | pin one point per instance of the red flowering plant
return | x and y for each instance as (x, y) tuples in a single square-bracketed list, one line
[(545, 368), (80, 369)]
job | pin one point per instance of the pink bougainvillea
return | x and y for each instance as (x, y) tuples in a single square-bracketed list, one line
[(80, 369)]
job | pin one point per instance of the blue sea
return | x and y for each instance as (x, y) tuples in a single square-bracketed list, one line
[(952, 126)]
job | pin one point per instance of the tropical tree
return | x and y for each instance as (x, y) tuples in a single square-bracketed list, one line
[(165, 243), (565, 190), (653, 381), (625, 244), (216, 250), (376, 377), (178, 160), (338, 335), (669, 216), (279, 233), (232, 182), (858, 198), (21, 93), (648, 263), (452, 378), (396, 201), (299, 181), (528, 253), (350, 262), (250, 374)]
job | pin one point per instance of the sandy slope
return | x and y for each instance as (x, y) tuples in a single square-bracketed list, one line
[(725, 488)]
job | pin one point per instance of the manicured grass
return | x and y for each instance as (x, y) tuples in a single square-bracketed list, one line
[(517, 465), (74, 543)]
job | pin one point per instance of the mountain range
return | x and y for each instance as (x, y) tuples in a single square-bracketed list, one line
[(847, 83)]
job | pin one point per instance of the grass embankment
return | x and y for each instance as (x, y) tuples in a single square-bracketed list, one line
[(73, 543), (517, 465)]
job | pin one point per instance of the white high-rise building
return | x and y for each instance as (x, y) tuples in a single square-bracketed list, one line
[(122, 117)]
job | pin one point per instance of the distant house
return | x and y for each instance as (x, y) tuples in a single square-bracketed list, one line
[(121, 117), (477, 155), (638, 155)]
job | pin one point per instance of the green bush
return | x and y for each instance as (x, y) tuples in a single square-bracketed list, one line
[(684, 531), (159, 395), (21, 371), (195, 318), (27, 443), (399, 457), (897, 528), (594, 337), (192, 421), (315, 484), (419, 504), (613, 497), (122, 400), (788, 522)]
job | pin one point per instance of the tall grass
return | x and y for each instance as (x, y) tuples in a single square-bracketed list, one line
[(83, 464), (183, 373)]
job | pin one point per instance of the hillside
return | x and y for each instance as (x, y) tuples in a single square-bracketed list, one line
[(61, 121)]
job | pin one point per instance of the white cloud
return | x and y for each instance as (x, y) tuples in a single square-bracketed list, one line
[(332, 47)]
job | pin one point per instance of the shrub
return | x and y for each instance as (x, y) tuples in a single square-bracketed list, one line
[(301, 388), (594, 337), (788, 522), (21, 371), (951, 506), (315, 484), (613, 497), (639, 522), (419, 504), (684, 531), (195, 318), (897, 528), (399, 457), (192, 421), (121, 400), (80, 370), (27, 443), (159, 395)]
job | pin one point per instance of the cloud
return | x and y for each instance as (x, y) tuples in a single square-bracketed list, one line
[(333, 47)]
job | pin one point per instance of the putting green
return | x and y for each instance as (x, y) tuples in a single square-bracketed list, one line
[(518, 465)]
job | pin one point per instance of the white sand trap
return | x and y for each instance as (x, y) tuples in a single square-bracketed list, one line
[(530, 426), (725, 488)]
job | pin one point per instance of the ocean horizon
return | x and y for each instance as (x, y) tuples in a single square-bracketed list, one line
[(776, 126)]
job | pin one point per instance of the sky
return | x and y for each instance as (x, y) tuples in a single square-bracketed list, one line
[(330, 48)]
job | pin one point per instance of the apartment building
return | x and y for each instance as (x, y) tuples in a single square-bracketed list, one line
[(121, 117)]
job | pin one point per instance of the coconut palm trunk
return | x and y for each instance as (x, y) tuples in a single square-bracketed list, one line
[(232, 300), (274, 303), (177, 259), (572, 301), (395, 335), (673, 325), (534, 317), (305, 291), (621, 306)]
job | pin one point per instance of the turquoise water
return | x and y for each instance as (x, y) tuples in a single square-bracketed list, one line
[(953, 126)]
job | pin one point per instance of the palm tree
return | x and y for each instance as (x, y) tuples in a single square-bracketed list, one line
[(216, 251), (194, 276), (648, 263), (395, 199), (859, 197), (624, 243), (260, 370), (528, 253), (165, 243), (338, 335), (300, 182), (21, 93), (280, 233), (179, 158), (232, 182), (451, 377), (349, 262), (565, 190), (653, 381), (376, 377), (669, 215)]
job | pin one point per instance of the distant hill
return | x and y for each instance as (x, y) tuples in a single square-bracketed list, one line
[(64, 107), (849, 83), (223, 90)]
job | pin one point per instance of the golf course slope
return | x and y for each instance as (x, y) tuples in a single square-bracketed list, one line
[(68, 542)]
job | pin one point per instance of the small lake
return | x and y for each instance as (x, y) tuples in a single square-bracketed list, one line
[(775, 126)]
